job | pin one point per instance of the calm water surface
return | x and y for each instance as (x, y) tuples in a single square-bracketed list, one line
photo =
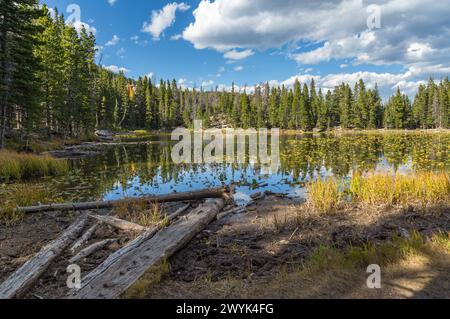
[(136, 170)]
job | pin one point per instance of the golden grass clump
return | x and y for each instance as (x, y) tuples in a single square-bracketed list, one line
[(423, 188), (20, 196), (16, 166), (138, 212), (324, 195), (383, 188)]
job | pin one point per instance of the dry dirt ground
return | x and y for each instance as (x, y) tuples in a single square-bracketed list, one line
[(262, 252)]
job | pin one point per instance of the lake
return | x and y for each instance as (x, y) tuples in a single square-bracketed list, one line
[(144, 169)]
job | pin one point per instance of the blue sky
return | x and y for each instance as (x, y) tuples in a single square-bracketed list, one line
[(216, 42)]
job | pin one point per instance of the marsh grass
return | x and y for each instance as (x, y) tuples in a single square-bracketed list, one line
[(423, 188), (140, 213), (16, 166), (20, 195), (324, 195)]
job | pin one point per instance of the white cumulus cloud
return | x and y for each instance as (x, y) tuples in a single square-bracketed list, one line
[(413, 34), (115, 39), (238, 55), (116, 69), (163, 19)]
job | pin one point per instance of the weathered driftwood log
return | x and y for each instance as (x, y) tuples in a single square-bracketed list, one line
[(23, 278), (119, 223), (84, 238), (178, 212), (174, 197), (92, 249), (237, 210), (116, 278), (132, 245)]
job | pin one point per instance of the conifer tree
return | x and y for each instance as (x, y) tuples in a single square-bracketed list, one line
[(274, 103), (322, 111), (294, 114), (19, 87), (245, 111), (305, 113)]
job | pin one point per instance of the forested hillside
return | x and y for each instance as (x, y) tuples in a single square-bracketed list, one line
[(49, 80)]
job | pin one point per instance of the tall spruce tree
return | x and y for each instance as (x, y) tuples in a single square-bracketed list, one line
[(19, 65)]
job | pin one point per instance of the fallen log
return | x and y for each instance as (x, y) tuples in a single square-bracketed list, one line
[(134, 244), (178, 212), (174, 197), (92, 249), (112, 282), (118, 223), (84, 238), (23, 278), (237, 210)]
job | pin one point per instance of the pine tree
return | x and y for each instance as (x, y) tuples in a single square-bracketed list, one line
[(19, 86), (314, 104), (294, 113), (361, 105), (345, 106), (283, 108), (305, 113), (420, 108), (322, 111), (329, 105), (235, 113), (258, 102), (274, 103), (187, 111), (89, 89), (334, 110), (398, 112), (149, 108), (207, 113), (445, 97), (430, 111), (375, 109), (245, 110)]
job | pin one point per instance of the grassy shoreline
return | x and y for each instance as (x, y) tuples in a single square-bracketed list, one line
[(41, 145), (422, 188), (21, 166)]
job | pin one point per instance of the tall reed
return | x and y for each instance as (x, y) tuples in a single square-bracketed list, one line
[(17, 166), (392, 189), (20, 195), (422, 188), (324, 195)]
